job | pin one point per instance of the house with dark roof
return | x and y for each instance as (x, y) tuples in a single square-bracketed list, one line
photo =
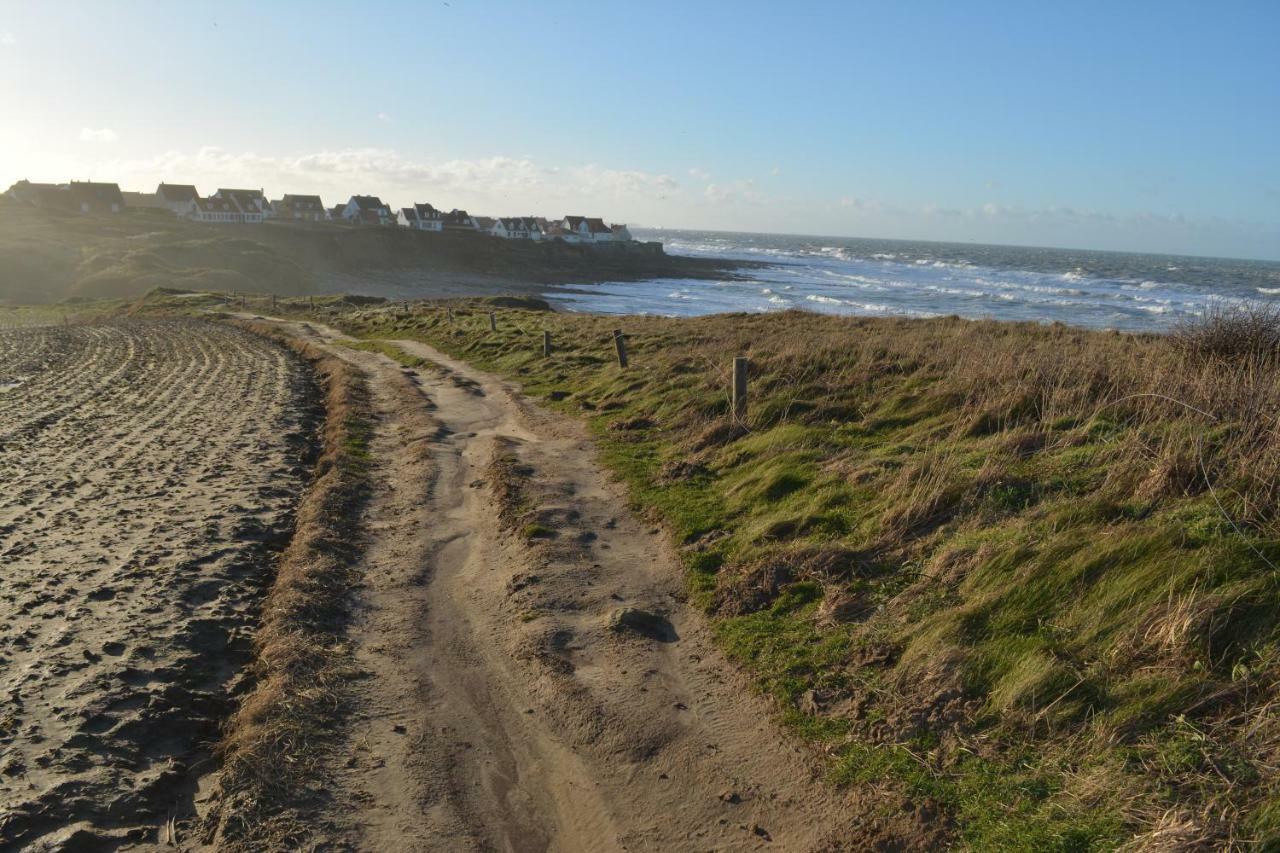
[(78, 196), (517, 228), (621, 233), (179, 198), (458, 220), (253, 204), (422, 217), (368, 210), (585, 229), (300, 208), (220, 209), (91, 197)]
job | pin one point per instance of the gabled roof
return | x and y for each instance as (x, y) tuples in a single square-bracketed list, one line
[(597, 226), (250, 201), (214, 204), (426, 211), (369, 202), (458, 217), (409, 213), (176, 192), (520, 223), (484, 223), (303, 202), (93, 193)]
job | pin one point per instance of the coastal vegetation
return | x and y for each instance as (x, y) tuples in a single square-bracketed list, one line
[(1017, 582)]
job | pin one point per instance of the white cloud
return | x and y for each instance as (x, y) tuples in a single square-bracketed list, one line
[(6, 38), (738, 192), (102, 134), (699, 174), (383, 117)]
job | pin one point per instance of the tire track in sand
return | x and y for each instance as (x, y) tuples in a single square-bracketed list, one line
[(499, 707)]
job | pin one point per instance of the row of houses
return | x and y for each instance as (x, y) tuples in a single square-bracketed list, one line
[(242, 206), (572, 229)]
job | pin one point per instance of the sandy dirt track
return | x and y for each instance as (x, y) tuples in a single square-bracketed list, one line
[(149, 472), (502, 707)]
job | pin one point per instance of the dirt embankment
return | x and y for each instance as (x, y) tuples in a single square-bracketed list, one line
[(151, 470), (46, 256)]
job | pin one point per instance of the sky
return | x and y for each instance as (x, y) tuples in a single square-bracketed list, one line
[(1131, 126)]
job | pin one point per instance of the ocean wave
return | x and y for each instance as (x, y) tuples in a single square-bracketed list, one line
[(1269, 291)]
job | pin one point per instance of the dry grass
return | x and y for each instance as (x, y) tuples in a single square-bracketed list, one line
[(274, 741)]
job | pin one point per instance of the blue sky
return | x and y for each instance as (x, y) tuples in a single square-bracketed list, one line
[(1145, 126)]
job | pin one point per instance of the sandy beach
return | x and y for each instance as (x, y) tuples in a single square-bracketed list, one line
[(151, 468)]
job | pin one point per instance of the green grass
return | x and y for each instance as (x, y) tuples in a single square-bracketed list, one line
[(987, 548), (390, 350)]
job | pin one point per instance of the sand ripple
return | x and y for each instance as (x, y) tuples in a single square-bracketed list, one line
[(149, 470)]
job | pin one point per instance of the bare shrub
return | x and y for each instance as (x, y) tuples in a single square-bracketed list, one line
[(1233, 332)]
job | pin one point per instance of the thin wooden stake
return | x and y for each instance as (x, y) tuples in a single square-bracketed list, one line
[(546, 344), (312, 300), (740, 390), (620, 344), (493, 322)]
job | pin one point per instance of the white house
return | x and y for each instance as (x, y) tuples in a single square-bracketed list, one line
[(621, 233), (516, 228), (179, 199), (368, 210), (253, 204), (422, 217), (300, 208), (586, 229)]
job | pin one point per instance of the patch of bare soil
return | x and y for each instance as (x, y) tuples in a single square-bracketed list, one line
[(530, 676), (150, 472)]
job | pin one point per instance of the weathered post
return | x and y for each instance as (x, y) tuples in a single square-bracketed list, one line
[(493, 322), (243, 301), (546, 344), (312, 301), (450, 310), (620, 344), (273, 302), (740, 390)]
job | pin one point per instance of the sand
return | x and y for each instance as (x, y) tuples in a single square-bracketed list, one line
[(149, 471)]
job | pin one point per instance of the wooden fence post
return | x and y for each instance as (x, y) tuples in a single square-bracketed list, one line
[(450, 310), (493, 322), (620, 344), (273, 302), (243, 303), (312, 301), (740, 390), (546, 344)]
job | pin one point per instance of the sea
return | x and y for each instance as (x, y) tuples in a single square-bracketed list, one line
[(833, 275)]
